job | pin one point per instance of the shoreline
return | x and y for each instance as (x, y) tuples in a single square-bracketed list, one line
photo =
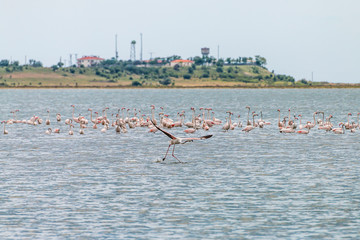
[(340, 86)]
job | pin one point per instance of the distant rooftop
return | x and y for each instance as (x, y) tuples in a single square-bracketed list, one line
[(91, 58), (182, 61)]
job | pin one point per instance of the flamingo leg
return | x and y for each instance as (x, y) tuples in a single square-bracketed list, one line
[(174, 155), (167, 152)]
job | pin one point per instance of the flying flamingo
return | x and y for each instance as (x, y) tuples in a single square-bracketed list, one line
[(176, 140)]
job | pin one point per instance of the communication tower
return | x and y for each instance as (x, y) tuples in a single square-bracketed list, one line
[(132, 51), (141, 47), (116, 50)]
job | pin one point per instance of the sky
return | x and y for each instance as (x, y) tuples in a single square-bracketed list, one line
[(301, 38)]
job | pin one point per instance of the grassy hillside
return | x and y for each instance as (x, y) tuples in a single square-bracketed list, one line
[(135, 76)]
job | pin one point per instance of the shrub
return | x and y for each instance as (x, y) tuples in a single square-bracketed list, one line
[(205, 75), (219, 69), (187, 76), (165, 82), (136, 83)]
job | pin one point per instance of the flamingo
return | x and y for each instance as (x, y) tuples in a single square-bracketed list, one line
[(348, 125), (227, 125), (176, 140), (302, 131), (248, 123), (250, 127), (280, 124), (5, 131), (77, 120), (340, 130), (309, 124), (239, 123), (71, 131), (48, 131), (47, 122), (58, 117)]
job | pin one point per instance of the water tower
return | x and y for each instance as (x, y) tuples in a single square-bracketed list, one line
[(132, 51), (205, 52)]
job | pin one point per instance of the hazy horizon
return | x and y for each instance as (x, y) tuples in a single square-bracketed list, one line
[(297, 37)]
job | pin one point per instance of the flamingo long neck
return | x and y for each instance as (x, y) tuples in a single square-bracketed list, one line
[(230, 118), (91, 119), (248, 114), (314, 118), (289, 116), (152, 114), (279, 118)]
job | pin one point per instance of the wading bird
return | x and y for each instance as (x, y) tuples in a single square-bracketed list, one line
[(176, 140)]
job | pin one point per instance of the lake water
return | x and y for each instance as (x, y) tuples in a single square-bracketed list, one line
[(259, 185)]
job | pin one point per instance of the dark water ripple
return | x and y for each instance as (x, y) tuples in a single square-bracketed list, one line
[(261, 185)]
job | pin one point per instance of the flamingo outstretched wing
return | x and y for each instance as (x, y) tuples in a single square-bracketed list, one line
[(166, 133), (199, 138)]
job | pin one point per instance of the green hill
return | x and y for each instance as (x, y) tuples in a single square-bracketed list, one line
[(126, 75)]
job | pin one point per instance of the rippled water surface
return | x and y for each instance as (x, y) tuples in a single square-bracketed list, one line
[(260, 185)]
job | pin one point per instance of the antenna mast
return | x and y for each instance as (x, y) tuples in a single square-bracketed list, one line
[(141, 47), (116, 50)]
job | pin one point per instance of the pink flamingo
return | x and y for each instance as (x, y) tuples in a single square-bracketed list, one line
[(248, 123), (348, 125), (58, 117), (176, 140), (48, 132), (280, 124), (71, 132), (77, 120), (5, 131), (47, 122), (340, 130)]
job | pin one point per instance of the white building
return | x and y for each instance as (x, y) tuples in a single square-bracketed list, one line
[(181, 63), (88, 61)]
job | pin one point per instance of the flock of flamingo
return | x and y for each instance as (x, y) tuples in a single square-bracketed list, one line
[(125, 119)]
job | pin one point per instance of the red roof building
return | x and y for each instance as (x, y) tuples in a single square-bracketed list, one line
[(182, 63), (88, 61)]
